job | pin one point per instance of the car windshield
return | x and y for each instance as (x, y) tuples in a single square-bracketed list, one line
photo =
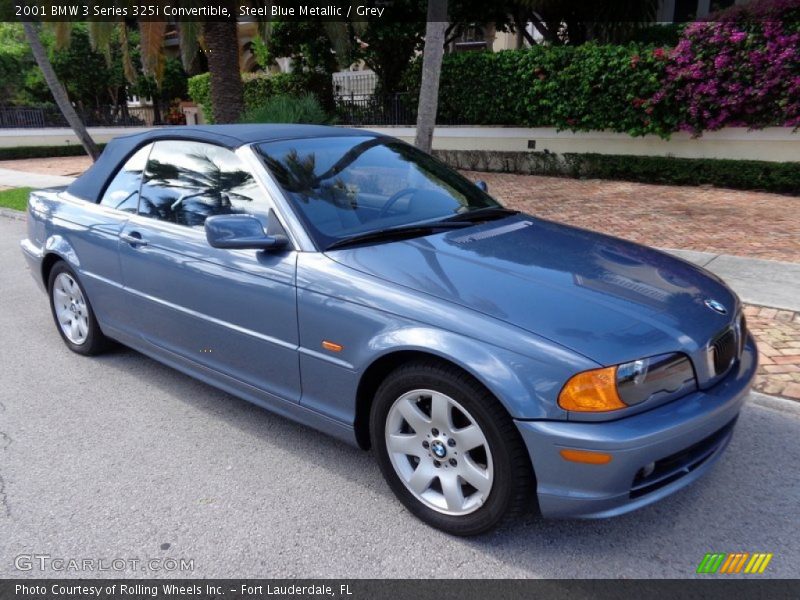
[(349, 186)]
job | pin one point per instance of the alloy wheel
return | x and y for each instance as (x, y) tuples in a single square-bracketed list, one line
[(439, 452), (70, 308)]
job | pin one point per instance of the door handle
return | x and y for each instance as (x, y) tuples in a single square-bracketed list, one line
[(134, 238)]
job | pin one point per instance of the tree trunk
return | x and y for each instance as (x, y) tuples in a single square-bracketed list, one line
[(222, 43), (431, 69), (519, 34), (58, 91), (489, 35)]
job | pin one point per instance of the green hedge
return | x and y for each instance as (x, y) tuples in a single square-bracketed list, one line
[(581, 88), (783, 178), (259, 87), (19, 152)]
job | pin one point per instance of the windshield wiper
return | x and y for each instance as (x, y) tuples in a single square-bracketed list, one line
[(489, 213), (393, 233)]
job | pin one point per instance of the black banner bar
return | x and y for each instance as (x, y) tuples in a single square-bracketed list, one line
[(389, 11), (370, 589)]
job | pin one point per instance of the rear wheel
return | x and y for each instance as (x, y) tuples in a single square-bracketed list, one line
[(448, 449), (73, 313)]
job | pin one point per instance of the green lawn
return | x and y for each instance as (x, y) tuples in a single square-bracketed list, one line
[(15, 198)]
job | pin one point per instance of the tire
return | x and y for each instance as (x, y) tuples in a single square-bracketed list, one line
[(72, 312), (423, 414)]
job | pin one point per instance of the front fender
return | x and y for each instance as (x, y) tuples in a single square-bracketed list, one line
[(525, 386)]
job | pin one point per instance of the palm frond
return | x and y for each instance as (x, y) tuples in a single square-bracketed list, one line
[(188, 39), (127, 64), (151, 40), (100, 36), (62, 32), (340, 40), (264, 29)]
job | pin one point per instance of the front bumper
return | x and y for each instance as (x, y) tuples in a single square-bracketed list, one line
[(683, 438)]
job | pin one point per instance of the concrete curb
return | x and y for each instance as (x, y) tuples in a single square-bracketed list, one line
[(775, 403), (770, 283), (17, 215)]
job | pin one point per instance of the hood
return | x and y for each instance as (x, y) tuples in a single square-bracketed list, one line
[(605, 298)]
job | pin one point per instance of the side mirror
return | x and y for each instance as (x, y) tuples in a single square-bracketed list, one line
[(242, 232), (480, 184)]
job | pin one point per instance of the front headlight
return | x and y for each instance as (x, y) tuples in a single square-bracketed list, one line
[(628, 384)]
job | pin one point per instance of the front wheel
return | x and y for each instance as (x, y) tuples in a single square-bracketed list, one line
[(448, 449), (72, 312)]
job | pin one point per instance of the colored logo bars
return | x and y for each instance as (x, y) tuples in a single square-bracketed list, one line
[(734, 562)]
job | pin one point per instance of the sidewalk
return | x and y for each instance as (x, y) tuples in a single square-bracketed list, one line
[(60, 136), (11, 178), (764, 282)]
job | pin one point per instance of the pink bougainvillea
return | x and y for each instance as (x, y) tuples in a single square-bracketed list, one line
[(739, 68)]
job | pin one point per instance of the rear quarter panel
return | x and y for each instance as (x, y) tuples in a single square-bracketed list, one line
[(86, 236)]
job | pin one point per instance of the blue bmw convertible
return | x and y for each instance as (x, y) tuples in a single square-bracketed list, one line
[(494, 362)]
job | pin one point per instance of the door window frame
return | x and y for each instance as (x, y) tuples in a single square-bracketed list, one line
[(253, 168)]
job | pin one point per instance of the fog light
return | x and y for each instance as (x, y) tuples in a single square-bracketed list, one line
[(647, 470)]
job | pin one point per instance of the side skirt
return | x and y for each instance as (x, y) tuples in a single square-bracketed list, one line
[(270, 402)]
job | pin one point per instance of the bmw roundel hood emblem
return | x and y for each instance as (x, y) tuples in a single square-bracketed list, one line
[(716, 306)]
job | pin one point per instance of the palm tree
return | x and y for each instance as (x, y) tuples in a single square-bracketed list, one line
[(57, 89), (222, 47), (220, 41), (431, 68)]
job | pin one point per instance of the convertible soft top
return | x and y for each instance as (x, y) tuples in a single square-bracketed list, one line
[(92, 183)]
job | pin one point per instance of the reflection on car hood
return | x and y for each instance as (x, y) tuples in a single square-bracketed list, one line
[(603, 297)]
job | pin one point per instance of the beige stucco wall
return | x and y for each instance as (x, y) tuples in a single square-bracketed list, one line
[(772, 144), (58, 136)]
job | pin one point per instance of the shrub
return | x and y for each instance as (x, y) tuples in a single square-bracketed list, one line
[(588, 87), (258, 87), (741, 69), (777, 177), (660, 34), (284, 108), (783, 177), (19, 152)]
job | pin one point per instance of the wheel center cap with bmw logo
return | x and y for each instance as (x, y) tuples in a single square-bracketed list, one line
[(439, 449), (716, 306)]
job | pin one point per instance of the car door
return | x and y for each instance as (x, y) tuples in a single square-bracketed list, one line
[(94, 233), (232, 311)]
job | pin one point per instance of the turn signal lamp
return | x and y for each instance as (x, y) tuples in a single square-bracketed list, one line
[(629, 384), (592, 391), (585, 456)]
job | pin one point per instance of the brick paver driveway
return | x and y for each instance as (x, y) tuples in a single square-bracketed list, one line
[(60, 165), (752, 224), (778, 335)]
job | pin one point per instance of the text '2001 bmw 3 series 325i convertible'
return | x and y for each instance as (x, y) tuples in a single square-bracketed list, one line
[(493, 361)]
